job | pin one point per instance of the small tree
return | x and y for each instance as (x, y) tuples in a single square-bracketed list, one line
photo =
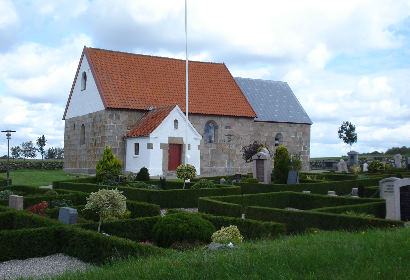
[(28, 150), (41, 143), (295, 163), (54, 153), (16, 152), (347, 132), (59, 153), (281, 165), (250, 150), (109, 167), (185, 172), (106, 203)]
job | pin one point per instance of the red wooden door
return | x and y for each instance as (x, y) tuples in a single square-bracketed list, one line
[(174, 156)]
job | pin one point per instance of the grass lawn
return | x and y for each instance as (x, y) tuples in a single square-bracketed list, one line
[(324, 255), (35, 177)]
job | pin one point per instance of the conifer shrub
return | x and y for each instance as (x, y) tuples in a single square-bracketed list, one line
[(108, 168), (182, 227), (227, 234), (281, 165), (143, 174)]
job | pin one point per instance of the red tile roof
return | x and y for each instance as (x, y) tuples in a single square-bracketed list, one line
[(132, 81), (150, 121)]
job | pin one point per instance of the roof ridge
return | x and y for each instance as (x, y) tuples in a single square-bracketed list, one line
[(155, 56), (258, 79)]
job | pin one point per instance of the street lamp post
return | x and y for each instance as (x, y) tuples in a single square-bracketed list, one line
[(8, 135), (229, 136)]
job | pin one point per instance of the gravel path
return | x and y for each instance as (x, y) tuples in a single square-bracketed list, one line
[(40, 267)]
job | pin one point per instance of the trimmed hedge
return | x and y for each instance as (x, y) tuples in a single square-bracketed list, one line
[(331, 176), (11, 220), (3, 182), (250, 229), (90, 179), (16, 164), (76, 242), (25, 190), (139, 229), (341, 187), (78, 198), (378, 209), (178, 198), (212, 206), (299, 221)]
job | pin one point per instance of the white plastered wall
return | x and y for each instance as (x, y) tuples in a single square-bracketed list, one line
[(152, 158), (86, 101)]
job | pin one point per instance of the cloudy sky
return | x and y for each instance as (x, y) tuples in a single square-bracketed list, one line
[(345, 60)]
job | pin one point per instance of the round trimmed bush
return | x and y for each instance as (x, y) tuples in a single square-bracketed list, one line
[(143, 174), (182, 227)]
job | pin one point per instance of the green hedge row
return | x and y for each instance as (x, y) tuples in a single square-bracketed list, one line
[(331, 176), (341, 187), (250, 229), (76, 242), (16, 164), (77, 198), (90, 179), (378, 209), (299, 221), (24, 190), (3, 182), (11, 220), (219, 208), (177, 198), (138, 229)]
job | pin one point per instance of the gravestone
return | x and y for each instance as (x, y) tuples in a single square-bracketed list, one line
[(331, 193), (222, 181), (397, 160), (355, 192), (68, 215), (353, 158), (262, 167), (408, 162), (293, 177), (396, 192), (306, 192), (237, 177), (341, 166), (16, 202), (365, 165)]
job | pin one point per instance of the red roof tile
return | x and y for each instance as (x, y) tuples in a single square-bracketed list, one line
[(150, 121), (132, 81)]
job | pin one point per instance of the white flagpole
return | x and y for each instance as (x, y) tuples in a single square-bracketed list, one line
[(186, 86)]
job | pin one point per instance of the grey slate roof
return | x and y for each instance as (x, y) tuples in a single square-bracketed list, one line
[(273, 101)]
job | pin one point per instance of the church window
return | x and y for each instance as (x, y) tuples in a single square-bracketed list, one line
[(278, 139), (82, 135), (83, 81), (175, 124), (210, 134), (136, 149)]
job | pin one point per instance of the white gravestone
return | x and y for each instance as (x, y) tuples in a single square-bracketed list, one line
[(341, 166), (397, 160), (390, 191), (365, 165), (16, 202)]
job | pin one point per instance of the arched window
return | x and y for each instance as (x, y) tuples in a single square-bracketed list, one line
[(175, 124), (83, 81), (210, 134), (82, 135), (278, 139)]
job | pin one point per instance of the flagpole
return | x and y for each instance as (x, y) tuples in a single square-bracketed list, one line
[(186, 85)]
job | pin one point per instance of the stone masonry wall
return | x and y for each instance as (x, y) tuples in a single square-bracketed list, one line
[(108, 127)]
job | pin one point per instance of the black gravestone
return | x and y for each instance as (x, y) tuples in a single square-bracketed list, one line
[(237, 177), (405, 203)]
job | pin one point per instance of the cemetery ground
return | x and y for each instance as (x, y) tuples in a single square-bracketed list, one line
[(373, 248)]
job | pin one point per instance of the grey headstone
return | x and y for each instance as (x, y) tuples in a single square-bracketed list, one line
[(396, 193), (353, 158), (293, 177), (49, 187), (222, 181), (365, 165), (306, 192), (341, 166), (68, 215), (215, 246), (355, 192), (16, 202), (397, 161)]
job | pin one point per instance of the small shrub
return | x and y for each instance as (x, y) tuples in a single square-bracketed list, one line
[(51, 193), (106, 203), (388, 167), (355, 169), (5, 194), (143, 174), (60, 203), (203, 184), (142, 185), (163, 182), (295, 163), (39, 208), (281, 165), (108, 168), (375, 166), (182, 227), (226, 235), (185, 172)]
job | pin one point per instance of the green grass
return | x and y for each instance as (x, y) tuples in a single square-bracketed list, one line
[(325, 255), (35, 177)]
